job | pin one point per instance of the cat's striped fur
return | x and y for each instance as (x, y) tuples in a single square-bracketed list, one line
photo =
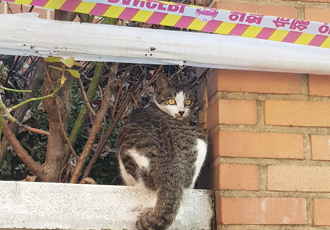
[(158, 150)]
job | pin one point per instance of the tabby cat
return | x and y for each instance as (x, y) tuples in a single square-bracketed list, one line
[(158, 150)]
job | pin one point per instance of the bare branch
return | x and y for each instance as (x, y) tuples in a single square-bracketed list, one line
[(60, 176), (33, 130), (46, 71), (20, 151), (119, 91), (63, 131), (106, 136), (96, 125), (135, 102), (177, 72), (31, 8), (151, 80), (89, 107), (9, 8)]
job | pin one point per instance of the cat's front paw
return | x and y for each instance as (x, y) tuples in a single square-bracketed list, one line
[(147, 220)]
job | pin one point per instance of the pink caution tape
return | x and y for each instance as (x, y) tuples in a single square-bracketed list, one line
[(199, 18)]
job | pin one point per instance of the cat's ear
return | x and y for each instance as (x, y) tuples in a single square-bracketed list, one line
[(162, 82)]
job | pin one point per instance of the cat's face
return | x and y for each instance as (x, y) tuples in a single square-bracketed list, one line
[(177, 101)]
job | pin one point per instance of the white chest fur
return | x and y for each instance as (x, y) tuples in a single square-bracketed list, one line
[(201, 154)]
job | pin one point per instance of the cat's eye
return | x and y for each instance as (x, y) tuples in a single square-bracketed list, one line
[(187, 102), (171, 101)]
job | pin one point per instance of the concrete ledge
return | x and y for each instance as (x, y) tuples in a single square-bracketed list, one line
[(33, 205)]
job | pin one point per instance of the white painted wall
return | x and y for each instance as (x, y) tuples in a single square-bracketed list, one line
[(34, 205)]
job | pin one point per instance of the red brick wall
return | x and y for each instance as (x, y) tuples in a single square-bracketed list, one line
[(270, 148), (270, 137)]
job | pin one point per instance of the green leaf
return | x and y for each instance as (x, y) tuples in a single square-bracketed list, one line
[(53, 59), (112, 21), (77, 64), (105, 20), (68, 62), (74, 73), (9, 156), (55, 67), (89, 18)]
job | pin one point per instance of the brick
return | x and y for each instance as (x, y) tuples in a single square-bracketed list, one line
[(298, 178), (42, 12), (280, 11), (237, 177), (320, 15), (297, 113), (262, 211), (321, 212), (52, 16), (232, 112), (254, 81), (319, 85), (314, 0), (232, 6), (320, 147), (2, 7), (16, 8), (252, 144)]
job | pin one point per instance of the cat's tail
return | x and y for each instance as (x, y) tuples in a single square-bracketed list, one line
[(160, 217)]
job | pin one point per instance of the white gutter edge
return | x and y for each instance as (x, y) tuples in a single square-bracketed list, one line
[(26, 34)]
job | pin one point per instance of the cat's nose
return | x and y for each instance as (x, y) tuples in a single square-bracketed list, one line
[(181, 113)]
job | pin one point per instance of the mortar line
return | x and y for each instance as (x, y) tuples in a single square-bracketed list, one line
[(307, 147), (269, 161), (262, 178), (264, 96), (304, 84), (271, 129), (301, 12), (309, 211), (260, 114), (273, 194)]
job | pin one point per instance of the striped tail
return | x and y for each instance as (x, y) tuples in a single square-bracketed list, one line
[(163, 214)]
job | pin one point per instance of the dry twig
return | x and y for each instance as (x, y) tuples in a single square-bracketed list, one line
[(119, 91), (97, 122), (89, 107), (63, 131), (20, 151), (106, 136), (151, 80)]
